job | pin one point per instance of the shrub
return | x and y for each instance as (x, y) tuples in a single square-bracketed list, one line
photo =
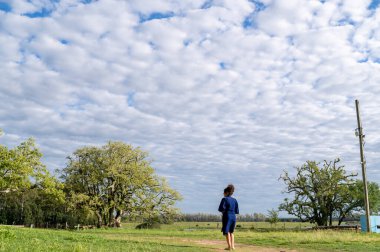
[(149, 225)]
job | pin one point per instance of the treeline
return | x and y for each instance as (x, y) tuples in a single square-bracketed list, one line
[(99, 186), (255, 217)]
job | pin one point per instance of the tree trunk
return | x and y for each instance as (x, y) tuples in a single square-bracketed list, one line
[(330, 217), (322, 221), (105, 219), (111, 222), (100, 219), (341, 219), (118, 218)]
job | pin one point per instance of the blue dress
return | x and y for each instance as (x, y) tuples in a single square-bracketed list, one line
[(229, 207)]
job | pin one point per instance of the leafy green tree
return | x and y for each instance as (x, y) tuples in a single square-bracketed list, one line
[(318, 191), (42, 207), (114, 180), (351, 199), (327, 192), (18, 165), (373, 196), (156, 203), (28, 192), (273, 217)]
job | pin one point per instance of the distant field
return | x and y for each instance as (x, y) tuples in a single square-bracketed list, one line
[(245, 225), (185, 236)]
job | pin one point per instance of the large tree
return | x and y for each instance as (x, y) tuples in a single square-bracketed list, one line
[(18, 165), (28, 192), (317, 191), (322, 193), (116, 179)]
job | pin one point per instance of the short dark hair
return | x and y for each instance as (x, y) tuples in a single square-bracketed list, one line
[(229, 190)]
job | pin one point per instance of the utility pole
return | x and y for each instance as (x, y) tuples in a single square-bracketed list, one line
[(363, 163)]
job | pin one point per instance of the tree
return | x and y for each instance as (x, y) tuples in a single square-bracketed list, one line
[(18, 165), (117, 179), (351, 200), (28, 193), (318, 192), (373, 196), (273, 217), (259, 217), (156, 202)]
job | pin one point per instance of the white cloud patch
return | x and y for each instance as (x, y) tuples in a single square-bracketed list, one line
[(217, 91)]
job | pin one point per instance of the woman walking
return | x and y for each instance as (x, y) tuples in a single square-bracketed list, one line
[(229, 207)]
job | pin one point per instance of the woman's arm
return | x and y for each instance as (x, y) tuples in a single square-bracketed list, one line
[(222, 206), (236, 207)]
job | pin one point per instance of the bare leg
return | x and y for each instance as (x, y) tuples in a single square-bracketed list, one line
[(228, 239), (232, 241)]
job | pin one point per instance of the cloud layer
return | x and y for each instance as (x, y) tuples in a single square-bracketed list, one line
[(222, 91)]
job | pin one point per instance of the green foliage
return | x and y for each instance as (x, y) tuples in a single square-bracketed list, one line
[(324, 193), (18, 165), (97, 184), (149, 225), (273, 216), (318, 191), (28, 193), (117, 178), (354, 198), (373, 195)]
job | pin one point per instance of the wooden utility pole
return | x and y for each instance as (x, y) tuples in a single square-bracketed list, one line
[(363, 163)]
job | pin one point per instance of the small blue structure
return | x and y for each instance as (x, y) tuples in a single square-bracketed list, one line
[(374, 222)]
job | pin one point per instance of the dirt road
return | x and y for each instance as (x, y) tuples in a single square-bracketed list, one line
[(217, 245)]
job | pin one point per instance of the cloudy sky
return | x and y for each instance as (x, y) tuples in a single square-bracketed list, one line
[(218, 91)]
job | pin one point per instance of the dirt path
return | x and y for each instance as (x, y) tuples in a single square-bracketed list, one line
[(212, 245), (217, 245)]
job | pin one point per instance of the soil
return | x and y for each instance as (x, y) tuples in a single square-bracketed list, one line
[(217, 245)]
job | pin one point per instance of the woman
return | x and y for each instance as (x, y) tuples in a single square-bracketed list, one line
[(229, 207)]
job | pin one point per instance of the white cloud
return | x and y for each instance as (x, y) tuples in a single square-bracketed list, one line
[(212, 101)]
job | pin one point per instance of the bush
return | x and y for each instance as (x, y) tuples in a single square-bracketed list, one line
[(149, 225)]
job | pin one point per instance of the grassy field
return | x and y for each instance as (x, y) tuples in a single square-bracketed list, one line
[(185, 237)]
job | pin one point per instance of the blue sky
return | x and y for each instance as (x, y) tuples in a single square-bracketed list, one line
[(218, 91)]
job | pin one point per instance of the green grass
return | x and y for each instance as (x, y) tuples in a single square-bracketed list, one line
[(183, 237), (24, 239)]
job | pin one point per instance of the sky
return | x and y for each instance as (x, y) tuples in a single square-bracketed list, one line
[(217, 91)]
